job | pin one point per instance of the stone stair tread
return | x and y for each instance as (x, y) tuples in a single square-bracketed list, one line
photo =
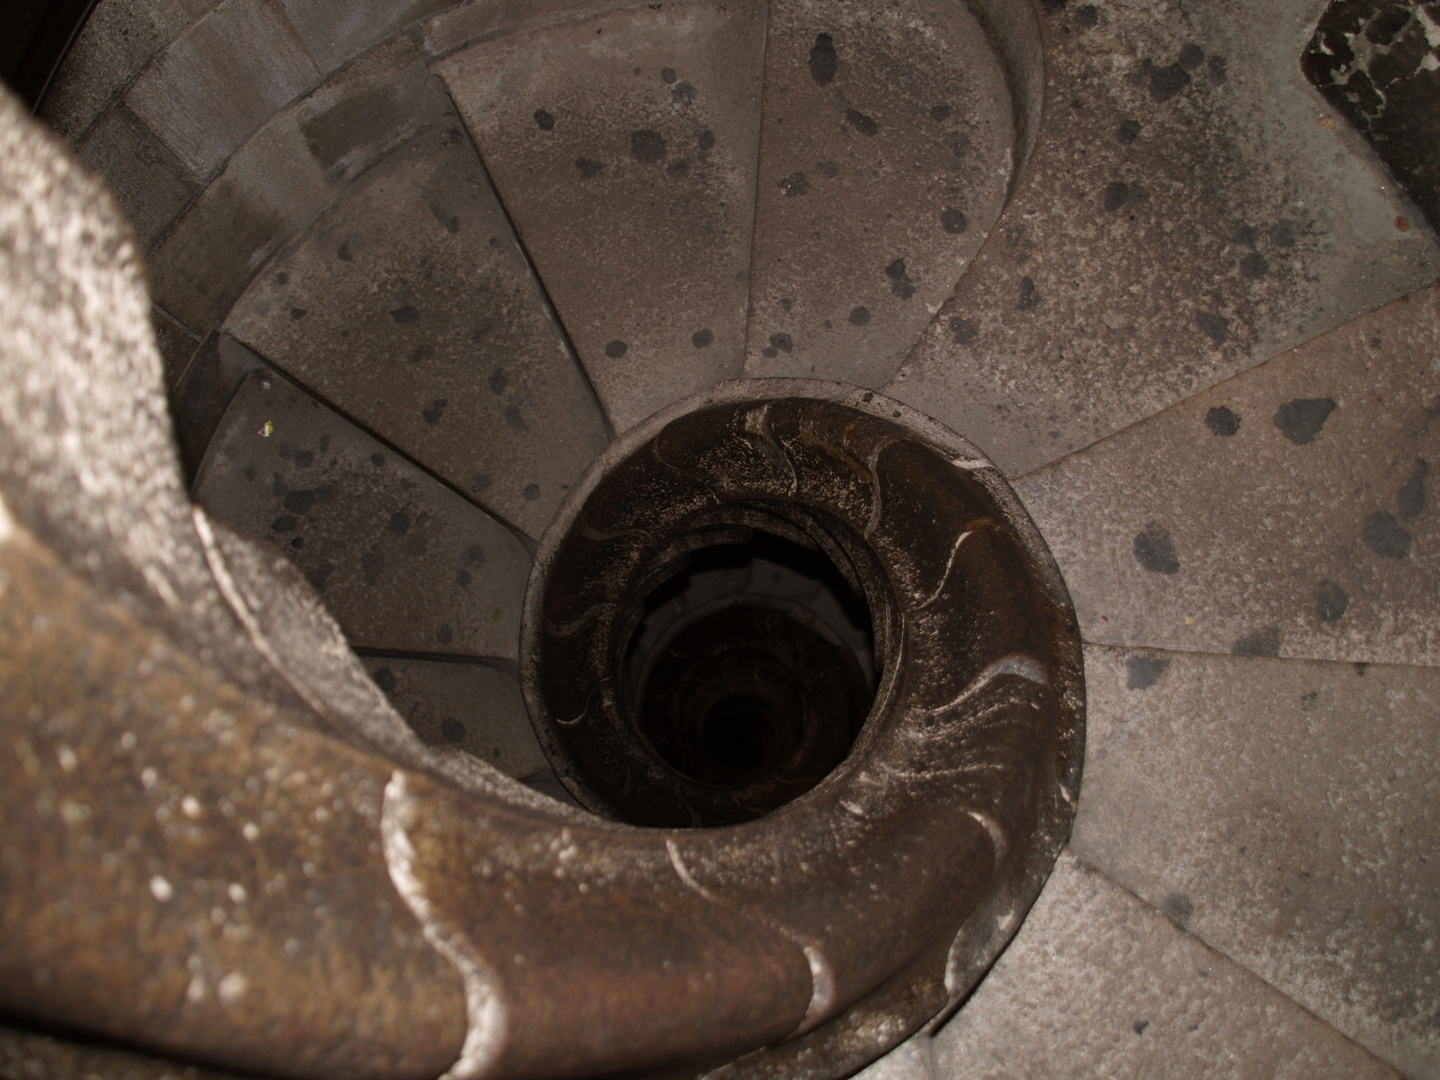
[(627, 161), (410, 306), (1288, 511), (1183, 217), (401, 561), (884, 160), (1285, 812), (1098, 983)]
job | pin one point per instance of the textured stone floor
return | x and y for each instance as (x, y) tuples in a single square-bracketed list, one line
[(1176, 305)]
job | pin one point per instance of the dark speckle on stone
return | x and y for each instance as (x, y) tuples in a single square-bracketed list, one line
[(344, 252), (866, 125), (297, 312), (422, 352), (450, 221), (1412, 492), (1385, 536), (1215, 67), (824, 62), (705, 141), (515, 419), (1177, 907), (406, 315), (940, 113), (1223, 421), (682, 93), (283, 524), (1052, 6), (545, 121), (1127, 132), (1155, 550), (1244, 237), (1300, 420), (953, 221), (1330, 601), (678, 167), (1029, 297), (787, 303), (859, 316), (1115, 195), (1139, 1026), (399, 523), (1087, 15), (385, 679), (900, 283), (474, 556), (1282, 234), (1261, 643), (436, 410), (828, 169), (647, 147), (377, 459), (498, 381), (462, 578), (703, 339), (1166, 82), (1191, 57), (300, 502), (588, 169), (453, 730), (1216, 327), (667, 75), (1254, 266), (319, 576), (784, 342), (769, 352), (615, 349), (1143, 672), (531, 492), (444, 634), (964, 328), (371, 565), (794, 184)]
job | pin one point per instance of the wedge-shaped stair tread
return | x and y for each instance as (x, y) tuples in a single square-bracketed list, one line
[(1183, 217), (1286, 812), (624, 147), (1097, 983), (1290, 511), (884, 161), (410, 306), (402, 561)]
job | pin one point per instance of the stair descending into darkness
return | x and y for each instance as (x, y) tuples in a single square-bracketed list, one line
[(415, 266)]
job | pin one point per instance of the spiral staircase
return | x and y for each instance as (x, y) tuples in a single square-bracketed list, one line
[(414, 267)]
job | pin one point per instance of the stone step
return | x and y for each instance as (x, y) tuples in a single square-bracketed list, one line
[(402, 561), (1285, 811), (409, 305), (1192, 208), (627, 160), (885, 158), (1289, 511)]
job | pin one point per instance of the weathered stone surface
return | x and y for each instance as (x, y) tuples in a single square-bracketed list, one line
[(1097, 983), (1184, 217), (885, 156), (220, 81), (911, 1060), (627, 160), (186, 868), (118, 39), (1286, 813), (335, 31), (1290, 511), (402, 561), (176, 345), (475, 707), (284, 176), (410, 306), (147, 180), (30, 1056), (465, 24)]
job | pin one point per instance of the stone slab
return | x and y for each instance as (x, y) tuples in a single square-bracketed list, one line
[(148, 181), (1192, 208), (1290, 511), (1098, 983), (475, 707), (410, 306), (335, 31), (176, 344), (402, 562), (885, 158), (1285, 812), (220, 81), (623, 146)]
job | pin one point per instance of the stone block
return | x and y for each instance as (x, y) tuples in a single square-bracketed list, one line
[(148, 181), (335, 31)]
